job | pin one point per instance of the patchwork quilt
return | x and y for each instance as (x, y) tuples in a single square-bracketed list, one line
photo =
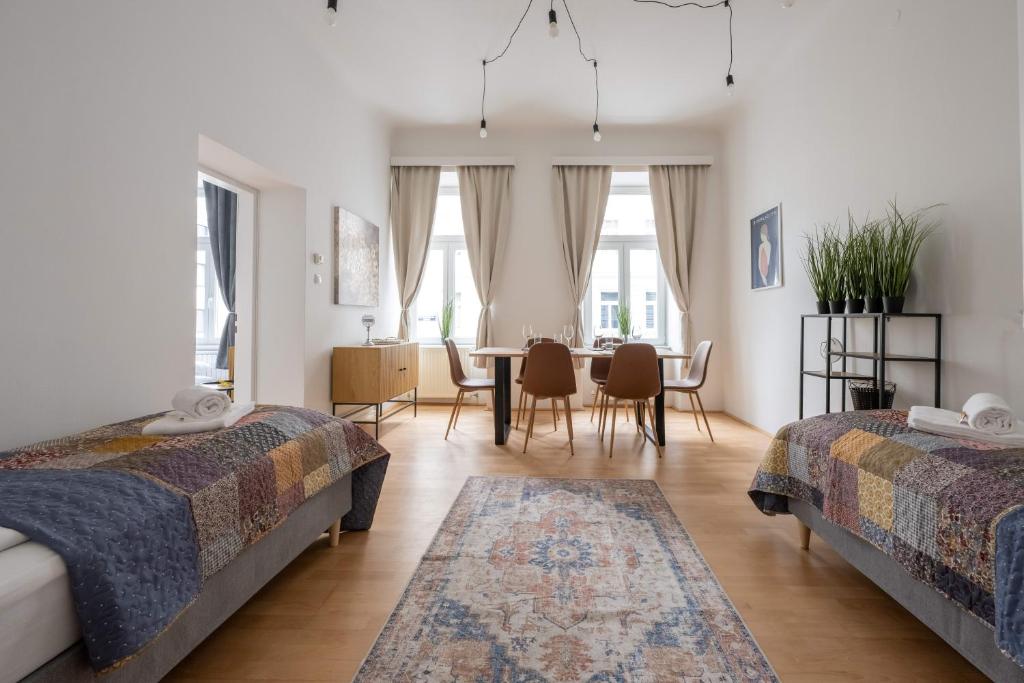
[(950, 511), (142, 521)]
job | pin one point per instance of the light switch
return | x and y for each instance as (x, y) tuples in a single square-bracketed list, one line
[(317, 279)]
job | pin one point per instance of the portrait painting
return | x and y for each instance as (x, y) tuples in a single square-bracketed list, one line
[(766, 249)]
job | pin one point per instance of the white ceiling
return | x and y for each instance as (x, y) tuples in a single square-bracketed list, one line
[(418, 61)]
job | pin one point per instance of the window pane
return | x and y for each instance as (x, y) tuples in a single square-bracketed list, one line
[(628, 214), (604, 285), (430, 297), (643, 291), (629, 211), (448, 215), (467, 303)]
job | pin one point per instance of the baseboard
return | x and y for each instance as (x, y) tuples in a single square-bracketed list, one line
[(748, 424)]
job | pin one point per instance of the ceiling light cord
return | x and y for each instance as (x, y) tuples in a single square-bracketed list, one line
[(592, 60), (730, 80), (485, 62)]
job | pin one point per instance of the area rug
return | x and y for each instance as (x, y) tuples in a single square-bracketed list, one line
[(532, 580)]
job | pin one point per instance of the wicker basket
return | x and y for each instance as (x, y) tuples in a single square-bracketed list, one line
[(865, 394)]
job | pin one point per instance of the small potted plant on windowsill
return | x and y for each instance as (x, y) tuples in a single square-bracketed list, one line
[(625, 322), (447, 319)]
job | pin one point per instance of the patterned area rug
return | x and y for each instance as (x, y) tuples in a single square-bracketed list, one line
[(532, 580)]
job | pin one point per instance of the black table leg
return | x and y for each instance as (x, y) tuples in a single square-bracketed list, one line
[(659, 405), (502, 399)]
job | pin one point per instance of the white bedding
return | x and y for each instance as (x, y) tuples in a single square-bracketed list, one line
[(37, 616)]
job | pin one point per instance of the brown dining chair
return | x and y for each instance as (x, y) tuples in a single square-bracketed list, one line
[(549, 374), (465, 384), (519, 381), (599, 370), (634, 377), (693, 382)]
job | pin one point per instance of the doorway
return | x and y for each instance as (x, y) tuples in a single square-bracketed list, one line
[(225, 285)]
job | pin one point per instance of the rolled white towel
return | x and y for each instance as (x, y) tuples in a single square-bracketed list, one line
[(176, 423), (990, 414), (947, 423), (201, 402)]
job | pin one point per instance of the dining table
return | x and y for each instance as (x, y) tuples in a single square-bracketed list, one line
[(503, 355)]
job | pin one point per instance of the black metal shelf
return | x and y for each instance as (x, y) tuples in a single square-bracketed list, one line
[(836, 375), (889, 357), (871, 315), (878, 356)]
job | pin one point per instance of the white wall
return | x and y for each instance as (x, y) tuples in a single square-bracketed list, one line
[(867, 108), (533, 285), (103, 106)]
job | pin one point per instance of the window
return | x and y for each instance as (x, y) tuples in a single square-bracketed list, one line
[(211, 311), (447, 275), (627, 269)]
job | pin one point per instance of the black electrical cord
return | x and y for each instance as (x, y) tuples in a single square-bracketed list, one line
[(592, 60), (512, 36), (723, 3)]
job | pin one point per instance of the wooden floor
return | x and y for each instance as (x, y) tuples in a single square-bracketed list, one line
[(816, 617)]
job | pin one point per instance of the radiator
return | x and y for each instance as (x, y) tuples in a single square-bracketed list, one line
[(435, 377)]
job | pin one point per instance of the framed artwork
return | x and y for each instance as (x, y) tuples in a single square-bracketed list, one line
[(766, 249), (356, 260)]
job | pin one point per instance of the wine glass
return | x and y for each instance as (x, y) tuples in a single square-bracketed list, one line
[(636, 333), (568, 333), (527, 334)]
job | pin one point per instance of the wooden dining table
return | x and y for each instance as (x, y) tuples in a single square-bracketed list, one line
[(503, 386)]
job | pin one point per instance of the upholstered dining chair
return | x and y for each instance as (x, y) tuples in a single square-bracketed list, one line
[(464, 384), (549, 374), (634, 377), (693, 382), (519, 381), (599, 370)]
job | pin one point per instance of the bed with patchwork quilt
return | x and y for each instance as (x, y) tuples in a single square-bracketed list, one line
[(948, 512), (146, 523)]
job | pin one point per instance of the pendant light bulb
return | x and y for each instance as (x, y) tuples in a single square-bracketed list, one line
[(597, 133), (483, 129), (331, 12), (730, 84), (786, 4), (552, 24)]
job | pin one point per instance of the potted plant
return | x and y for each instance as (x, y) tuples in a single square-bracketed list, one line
[(854, 276), (447, 320), (816, 271), (832, 250), (624, 321), (904, 235), (873, 236)]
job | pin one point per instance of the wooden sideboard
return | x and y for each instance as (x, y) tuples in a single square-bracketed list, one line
[(370, 376)]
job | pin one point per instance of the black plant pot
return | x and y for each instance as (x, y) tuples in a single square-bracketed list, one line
[(893, 304), (855, 305), (822, 306), (837, 306), (873, 304)]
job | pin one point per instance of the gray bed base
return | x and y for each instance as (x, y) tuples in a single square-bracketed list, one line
[(964, 632), (223, 594)]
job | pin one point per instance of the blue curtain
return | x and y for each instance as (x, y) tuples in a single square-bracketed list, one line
[(221, 220)]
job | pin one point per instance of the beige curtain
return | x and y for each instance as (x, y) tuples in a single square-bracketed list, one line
[(678, 194), (486, 196), (581, 196), (413, 200)]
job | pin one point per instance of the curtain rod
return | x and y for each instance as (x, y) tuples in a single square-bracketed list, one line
[(453, 161), (634, 161)]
